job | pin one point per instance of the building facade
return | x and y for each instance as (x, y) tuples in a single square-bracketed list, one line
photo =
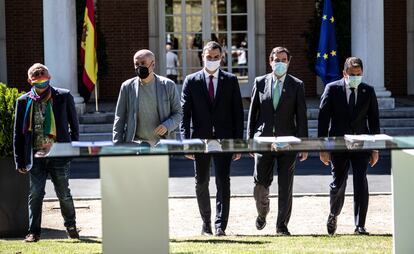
[(382, 34)]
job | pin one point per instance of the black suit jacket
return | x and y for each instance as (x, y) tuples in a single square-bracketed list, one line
[(336, 120), (65, 116), (289, 118), (225, 114)]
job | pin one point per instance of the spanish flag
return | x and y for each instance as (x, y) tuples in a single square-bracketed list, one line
[(88, 47)]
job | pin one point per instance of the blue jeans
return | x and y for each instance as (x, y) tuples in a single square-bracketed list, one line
[(58, 168)]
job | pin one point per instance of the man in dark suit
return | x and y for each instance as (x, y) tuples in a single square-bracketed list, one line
[(212, 102), (349, 107), (43, 116), (278, 108)]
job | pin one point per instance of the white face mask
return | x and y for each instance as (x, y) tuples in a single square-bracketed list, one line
[(279, 68), (354, 81), (212, 65)]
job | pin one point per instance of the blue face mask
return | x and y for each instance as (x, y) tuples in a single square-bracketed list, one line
[(279, 68), (354, 81)]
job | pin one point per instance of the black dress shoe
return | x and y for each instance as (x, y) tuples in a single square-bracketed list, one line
[(220, 232), (260, 222), (331, 225), (361, 231), (282, 231), (206, 229)]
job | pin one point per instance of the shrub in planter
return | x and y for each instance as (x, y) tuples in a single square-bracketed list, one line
[(8, 97), (13, 185)]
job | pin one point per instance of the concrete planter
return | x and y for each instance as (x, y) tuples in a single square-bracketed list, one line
[(14, 189)]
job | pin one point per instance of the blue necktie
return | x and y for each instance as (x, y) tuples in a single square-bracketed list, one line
[(351, 103)]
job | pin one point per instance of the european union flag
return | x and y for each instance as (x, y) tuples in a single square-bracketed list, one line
[(326, 58)]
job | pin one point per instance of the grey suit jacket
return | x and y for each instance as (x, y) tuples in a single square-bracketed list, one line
[(168, 105), (289, 118)]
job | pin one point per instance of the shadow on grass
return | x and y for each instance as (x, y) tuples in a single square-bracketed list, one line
[(315, 235), (52, 234), (221, 240)]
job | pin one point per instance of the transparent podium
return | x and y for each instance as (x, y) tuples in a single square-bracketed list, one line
[(134, 182)]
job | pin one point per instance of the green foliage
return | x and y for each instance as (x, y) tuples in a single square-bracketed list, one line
[(8, 97), (342, 15)]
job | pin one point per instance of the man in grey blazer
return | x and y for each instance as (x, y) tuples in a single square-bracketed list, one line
[(148, 107), (277, 108)]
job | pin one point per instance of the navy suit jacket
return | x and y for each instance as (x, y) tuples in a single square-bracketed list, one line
[(336, 120), (65, 117), (289, 118), (225, 115)]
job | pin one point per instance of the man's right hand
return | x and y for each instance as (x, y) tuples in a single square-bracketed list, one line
[(325, 157), (22, 170), (190, 156)]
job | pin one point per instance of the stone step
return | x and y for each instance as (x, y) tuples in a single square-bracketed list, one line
[(97, 118), (106, 136), (98, 128), (384, 122)]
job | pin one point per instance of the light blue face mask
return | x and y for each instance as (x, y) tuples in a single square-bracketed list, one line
[(354, 81), (279, 68)]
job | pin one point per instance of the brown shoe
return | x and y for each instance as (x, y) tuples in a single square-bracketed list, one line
[(72, 232), (31, 238)]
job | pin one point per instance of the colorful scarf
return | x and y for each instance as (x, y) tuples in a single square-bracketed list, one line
[(49, 125)]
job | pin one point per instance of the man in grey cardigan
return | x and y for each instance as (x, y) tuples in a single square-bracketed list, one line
[(148, 107)]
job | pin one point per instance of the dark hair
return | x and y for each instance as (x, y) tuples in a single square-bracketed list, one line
[(211, 45), (277, 50), (353, 62)]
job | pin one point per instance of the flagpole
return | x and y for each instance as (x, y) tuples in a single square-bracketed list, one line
[(96, 97)]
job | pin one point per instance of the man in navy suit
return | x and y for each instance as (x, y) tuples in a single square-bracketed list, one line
[(349, 106), (278, 108), (43, 116), (212, 103)]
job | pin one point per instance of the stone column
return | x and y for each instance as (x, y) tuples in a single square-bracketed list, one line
[(59, 25), (3, 55), (367, 33), (410, 47)]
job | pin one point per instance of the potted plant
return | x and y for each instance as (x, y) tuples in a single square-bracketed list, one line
[(14, 187)]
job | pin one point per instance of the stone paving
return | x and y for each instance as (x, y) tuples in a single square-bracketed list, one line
[(309, 217)]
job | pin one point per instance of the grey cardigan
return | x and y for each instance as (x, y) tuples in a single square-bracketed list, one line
[(168, 105)]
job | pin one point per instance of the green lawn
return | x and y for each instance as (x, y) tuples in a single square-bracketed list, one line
[(233, 244)]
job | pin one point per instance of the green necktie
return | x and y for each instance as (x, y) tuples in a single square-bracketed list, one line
[(276, 93)]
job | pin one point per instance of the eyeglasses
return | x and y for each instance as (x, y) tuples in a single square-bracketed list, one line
[(38, 73)]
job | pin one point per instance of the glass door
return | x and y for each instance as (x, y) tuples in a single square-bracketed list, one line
[(188, 24)]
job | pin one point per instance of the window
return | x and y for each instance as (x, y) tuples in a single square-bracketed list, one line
[(186, 25)]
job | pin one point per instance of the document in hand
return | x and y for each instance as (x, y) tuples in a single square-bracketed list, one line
[(280, 139), (365, 137)]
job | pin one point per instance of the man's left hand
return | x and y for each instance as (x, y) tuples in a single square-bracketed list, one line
[(160, 130), (236, 156), (373, 159), (303, 156)]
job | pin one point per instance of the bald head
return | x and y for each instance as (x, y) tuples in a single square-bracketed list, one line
[(144, 53)]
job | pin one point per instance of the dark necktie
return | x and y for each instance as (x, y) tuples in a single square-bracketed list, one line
[(211, 88), (351, 103)]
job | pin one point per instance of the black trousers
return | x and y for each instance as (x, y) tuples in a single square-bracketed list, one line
[(202, 178), (341, 162), (263, 177)]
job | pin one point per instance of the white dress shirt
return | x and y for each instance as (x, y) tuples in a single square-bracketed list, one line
[(348, 91), (215, 79)]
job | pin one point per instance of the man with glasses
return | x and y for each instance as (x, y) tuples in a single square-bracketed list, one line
[(349, 106), (45, 115), (148, 107), (278, 108)]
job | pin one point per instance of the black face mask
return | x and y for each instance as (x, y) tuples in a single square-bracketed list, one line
[(142, 72)]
